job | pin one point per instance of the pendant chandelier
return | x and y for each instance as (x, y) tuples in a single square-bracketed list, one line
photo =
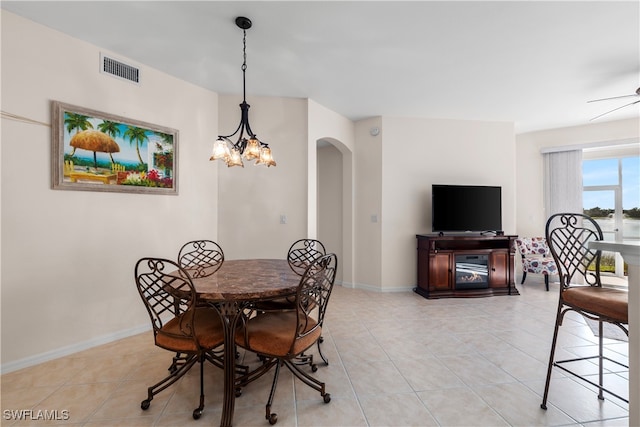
[(248, 146)]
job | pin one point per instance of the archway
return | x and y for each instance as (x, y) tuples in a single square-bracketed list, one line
[(334, 194)]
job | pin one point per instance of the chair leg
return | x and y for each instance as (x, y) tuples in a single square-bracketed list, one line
[(543, 405), (546, 281), (524, 276), (174, 376), (600, 362), (312, 382), (324, 359), (178, 360), (197, 413), (273, 417)]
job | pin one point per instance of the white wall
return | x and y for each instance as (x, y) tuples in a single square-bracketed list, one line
[(252, 199), (531, 217), (68, 256), (368, 205), (417, 153)]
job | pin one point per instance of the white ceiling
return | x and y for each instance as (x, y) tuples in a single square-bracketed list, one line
[(532, 63)]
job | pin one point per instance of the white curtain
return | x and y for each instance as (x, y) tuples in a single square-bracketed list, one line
[(563, 182)]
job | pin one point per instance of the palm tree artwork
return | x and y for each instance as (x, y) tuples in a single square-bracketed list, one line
[(139, 136), (76, 121), (110, 128)]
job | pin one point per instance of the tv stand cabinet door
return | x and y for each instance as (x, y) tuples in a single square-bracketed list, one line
[(499, 269), (440, 271)]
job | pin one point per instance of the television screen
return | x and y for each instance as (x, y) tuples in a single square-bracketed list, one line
[(466, 208)]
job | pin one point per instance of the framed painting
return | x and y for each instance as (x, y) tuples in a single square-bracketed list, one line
[(94, 151)]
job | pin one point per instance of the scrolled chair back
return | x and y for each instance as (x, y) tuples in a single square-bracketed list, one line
[(313, 293), (568, 236), (303, 252), (201, 258), (168, 293)]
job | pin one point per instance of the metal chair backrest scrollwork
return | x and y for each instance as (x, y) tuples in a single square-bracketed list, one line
[(568, 236), (313, 294), (168, 293), (201, 258), (303, 252)]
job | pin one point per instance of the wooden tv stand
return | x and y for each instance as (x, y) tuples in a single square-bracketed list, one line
[(437, 265)]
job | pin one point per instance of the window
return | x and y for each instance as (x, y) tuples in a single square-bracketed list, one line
[(611, 195)]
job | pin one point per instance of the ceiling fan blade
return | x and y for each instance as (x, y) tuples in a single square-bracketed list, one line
[(615, 97), (615, 109)]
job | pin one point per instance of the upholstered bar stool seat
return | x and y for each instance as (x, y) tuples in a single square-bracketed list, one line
[(604, 302)]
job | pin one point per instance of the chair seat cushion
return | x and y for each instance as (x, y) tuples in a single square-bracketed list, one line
[(607, 302), (540, 265), (208, 332), (272, 334)]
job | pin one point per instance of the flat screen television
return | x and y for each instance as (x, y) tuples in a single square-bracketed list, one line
[(466, 208)]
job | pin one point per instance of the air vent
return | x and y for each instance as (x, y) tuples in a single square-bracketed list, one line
[(119, 69)]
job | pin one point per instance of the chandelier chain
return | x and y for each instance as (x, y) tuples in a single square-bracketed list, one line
[(244, 65)]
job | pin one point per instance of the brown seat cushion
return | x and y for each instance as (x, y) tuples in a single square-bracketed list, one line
[(208, 328), (607, 302), (272, 334)]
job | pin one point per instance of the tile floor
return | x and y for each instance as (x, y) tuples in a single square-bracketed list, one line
[(396, 359)]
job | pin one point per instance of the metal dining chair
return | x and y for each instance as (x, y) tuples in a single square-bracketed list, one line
[(179, 324), (282, 336), (581, 291), (301, 254)]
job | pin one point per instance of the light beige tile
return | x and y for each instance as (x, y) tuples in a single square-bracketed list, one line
[(358, 348), (396, 410), (518, 364), (26, 398), (338, 412), (54, 372), (371, 378), (427, 373), (80, 400), (476, 370), (460, 407), (175, 419), (125, 401)]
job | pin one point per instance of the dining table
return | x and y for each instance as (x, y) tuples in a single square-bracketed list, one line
[(630, 251), (232, 289)]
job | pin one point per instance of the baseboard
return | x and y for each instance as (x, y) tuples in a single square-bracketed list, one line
[(70, 349)]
